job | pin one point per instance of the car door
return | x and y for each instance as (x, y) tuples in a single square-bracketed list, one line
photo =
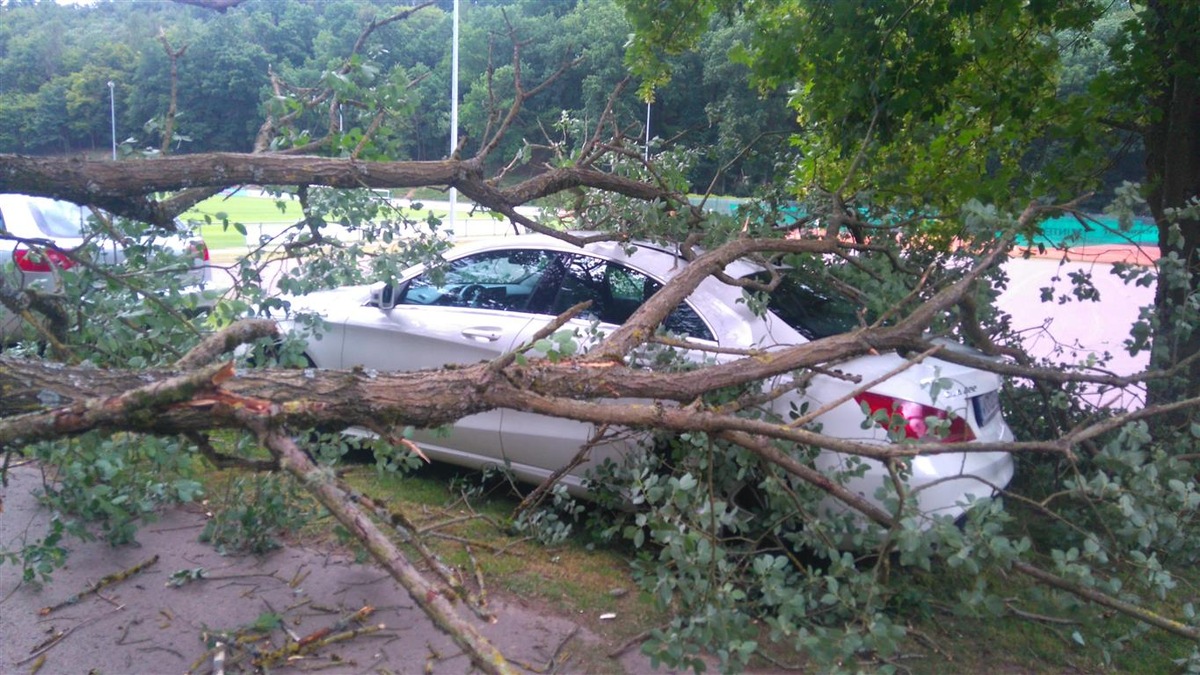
[(538, 445), (473, 309)]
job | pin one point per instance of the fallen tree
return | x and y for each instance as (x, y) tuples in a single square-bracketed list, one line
[(274, 404), (45, 401)]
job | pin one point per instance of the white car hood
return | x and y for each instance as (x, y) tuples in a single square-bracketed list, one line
[(333, 304)]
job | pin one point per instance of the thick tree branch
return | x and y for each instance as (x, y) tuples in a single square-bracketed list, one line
[(240, 333), (90, 398), (109, 185), (436, 601)]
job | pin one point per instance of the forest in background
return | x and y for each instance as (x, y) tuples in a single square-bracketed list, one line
[(56, 62)]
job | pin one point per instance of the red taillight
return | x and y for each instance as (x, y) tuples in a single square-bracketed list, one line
[(914, 417), (41, 261)]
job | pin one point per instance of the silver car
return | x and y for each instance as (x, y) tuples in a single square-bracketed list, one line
[(39, 237), (494, 295)]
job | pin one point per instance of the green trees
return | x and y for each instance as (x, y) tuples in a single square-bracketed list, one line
[(53, 57), (951, 101)]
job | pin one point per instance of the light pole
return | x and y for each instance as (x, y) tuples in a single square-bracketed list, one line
[(647, 157), (112, 107), (453, 105)]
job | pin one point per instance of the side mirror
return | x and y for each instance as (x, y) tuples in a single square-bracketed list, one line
[(388, 295), (384, 297)]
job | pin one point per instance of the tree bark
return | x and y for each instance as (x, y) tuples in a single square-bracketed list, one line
[(122, 187), (1173, 174)]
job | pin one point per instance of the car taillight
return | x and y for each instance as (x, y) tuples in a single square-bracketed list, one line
[(915, 418), (198, 249), (41, 261)]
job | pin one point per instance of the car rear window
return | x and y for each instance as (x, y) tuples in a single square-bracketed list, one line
[(57, 218), (814, 312)]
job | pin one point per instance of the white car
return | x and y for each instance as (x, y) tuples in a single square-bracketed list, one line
[(494, 295), (38, 237)]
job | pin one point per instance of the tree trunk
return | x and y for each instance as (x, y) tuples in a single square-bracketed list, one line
[(1173, 174)]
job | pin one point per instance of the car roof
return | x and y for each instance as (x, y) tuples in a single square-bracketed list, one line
[(658, 259), (720, 303), (41, 217)]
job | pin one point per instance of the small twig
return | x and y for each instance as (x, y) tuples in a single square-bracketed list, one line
[(776, 663), (895, 662), (539, 493), (425, 529), (553, 662), (471, 542), (1039, 617), (105, 581), (1127, 608), (46, 646), (125, 631), (157, 648), (107, 599), (8, 453), (631, 642), (177, 528), (299, 577), (505, 360), (298, 605), (481, 595), (928, 642), (905, 365), (281, 655)]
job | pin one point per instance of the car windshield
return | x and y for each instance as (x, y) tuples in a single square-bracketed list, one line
[(814, 312), (503, 280)]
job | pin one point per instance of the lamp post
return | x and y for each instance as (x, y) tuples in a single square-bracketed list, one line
[(647, 156), (112, 107), (453, 105)]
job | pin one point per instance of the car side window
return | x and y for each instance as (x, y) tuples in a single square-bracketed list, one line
[(616, 291), (500, 280)]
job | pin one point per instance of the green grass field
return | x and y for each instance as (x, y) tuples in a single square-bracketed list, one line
[(213, 213), (246, 209)]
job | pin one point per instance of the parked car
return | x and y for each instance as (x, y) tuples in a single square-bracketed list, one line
[(42, 237), (493, 295)]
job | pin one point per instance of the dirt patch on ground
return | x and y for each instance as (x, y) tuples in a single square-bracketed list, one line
[(144, 624)]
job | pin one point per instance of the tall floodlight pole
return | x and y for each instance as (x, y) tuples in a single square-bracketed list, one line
[(454, 107), (647, 131), (112, 109)]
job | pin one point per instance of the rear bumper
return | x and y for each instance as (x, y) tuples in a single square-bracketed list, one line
[(939, 486)]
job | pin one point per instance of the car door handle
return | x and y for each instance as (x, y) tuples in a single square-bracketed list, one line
[(481, 334)]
